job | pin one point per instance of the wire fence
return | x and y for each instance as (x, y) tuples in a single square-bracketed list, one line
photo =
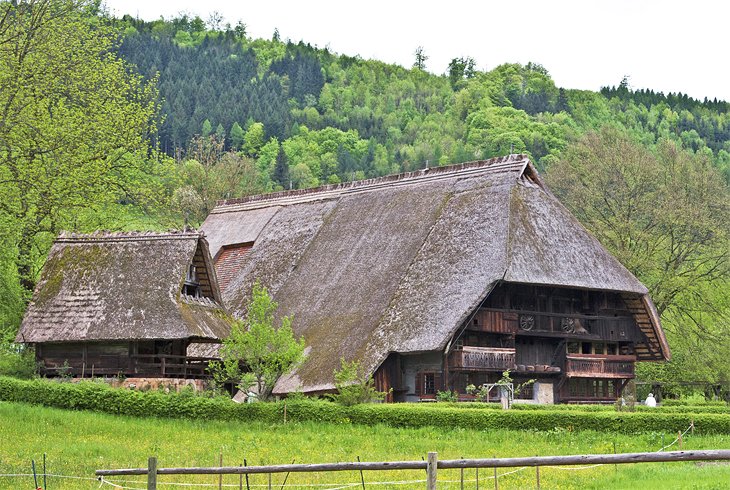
[(107, 478)]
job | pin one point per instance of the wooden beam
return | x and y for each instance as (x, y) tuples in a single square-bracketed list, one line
[(581, 459)]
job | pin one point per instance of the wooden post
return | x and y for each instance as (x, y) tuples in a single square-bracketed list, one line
[(679, 438), (496, 481), (152, 473), (537, 476), (462, 476), (220, 477), (477, 477), (615, 467), (431, 467), (284, 413), (269, 481)]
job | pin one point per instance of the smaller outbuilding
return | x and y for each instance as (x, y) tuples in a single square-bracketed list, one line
[(131, 304)]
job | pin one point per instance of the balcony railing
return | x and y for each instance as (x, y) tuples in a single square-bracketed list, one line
[(482, 359), (524, 322), (594, 365)]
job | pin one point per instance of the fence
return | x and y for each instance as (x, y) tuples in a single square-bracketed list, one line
[(431, 465)]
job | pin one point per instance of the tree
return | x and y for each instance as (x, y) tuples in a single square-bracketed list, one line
[(208, 175), (665, 214), (220, 132), (74, 123), (421, 58), (257, 352), (354, 385), (254, 139), (460, 69), (237, 136), (281, 170), (206, 129)]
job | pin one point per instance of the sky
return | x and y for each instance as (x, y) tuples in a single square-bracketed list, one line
[(668, 46)]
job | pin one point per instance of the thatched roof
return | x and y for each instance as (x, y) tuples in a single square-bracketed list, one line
[(124, 286), (397, 264)]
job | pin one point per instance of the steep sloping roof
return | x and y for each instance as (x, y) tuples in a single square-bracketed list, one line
[(396, 264), (113, 286)]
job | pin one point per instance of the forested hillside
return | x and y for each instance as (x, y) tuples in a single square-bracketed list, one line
[(183, 113), (345, 117)]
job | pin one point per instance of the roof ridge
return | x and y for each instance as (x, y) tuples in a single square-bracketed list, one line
[(117, 236), (337, 189)]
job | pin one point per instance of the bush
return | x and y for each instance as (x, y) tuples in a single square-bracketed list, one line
[(354, 385), (100, 397), (17, 361)]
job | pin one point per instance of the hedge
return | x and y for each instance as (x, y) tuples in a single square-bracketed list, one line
[(102, 398), (720, 409)]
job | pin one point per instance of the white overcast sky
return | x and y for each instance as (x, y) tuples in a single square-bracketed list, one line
[(669, 46)]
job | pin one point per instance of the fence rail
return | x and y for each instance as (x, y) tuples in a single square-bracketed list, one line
[(431, 465)]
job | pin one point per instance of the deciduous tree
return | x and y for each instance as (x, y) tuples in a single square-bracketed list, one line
[(74, 120), (665, 214), (258, 351)]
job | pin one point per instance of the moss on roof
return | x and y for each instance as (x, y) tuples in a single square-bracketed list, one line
[(113, 286), (397, 264)]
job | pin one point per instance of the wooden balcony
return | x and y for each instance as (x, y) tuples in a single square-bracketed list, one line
[(151, 365), (599, 366), (482, 359)]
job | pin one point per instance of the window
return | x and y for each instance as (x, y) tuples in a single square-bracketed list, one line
[(191, 286), (429, 384)]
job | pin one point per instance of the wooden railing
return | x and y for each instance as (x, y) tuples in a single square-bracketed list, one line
[(594, 365), (525, 322), (482, 358), (152, 365), (170, 366)]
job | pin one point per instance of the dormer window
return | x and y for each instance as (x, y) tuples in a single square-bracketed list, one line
[(191, 286)]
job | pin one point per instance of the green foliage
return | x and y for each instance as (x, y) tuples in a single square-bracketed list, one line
[(100, 397), (354, 385), (447, 396), (76, 124), (258, 352), (237, 136), (665, 214), (254, 139), (16, 360)]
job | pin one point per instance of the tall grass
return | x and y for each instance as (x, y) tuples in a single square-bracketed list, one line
[(77, 443)]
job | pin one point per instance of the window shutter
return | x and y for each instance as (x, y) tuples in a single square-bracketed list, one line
[(438, 382), (419, 383)]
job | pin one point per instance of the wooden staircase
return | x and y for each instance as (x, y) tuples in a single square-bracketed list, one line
[(655, 347)]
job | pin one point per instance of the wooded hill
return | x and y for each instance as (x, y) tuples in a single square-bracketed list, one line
[(344, 117)]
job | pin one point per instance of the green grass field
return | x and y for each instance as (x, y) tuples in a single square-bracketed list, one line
[(77, 443)]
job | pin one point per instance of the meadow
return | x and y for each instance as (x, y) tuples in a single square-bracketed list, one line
[(79, 442)]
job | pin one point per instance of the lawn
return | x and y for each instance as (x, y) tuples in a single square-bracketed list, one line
[(77, 443)]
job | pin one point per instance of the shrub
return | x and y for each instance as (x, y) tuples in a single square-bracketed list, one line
[(17, 361), (354, 385), (102, 398)]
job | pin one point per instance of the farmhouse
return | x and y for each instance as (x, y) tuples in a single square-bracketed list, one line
[(437, 279), (133, 304)]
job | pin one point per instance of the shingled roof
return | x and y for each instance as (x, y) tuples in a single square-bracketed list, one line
[(124, 286), (397, 264)]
